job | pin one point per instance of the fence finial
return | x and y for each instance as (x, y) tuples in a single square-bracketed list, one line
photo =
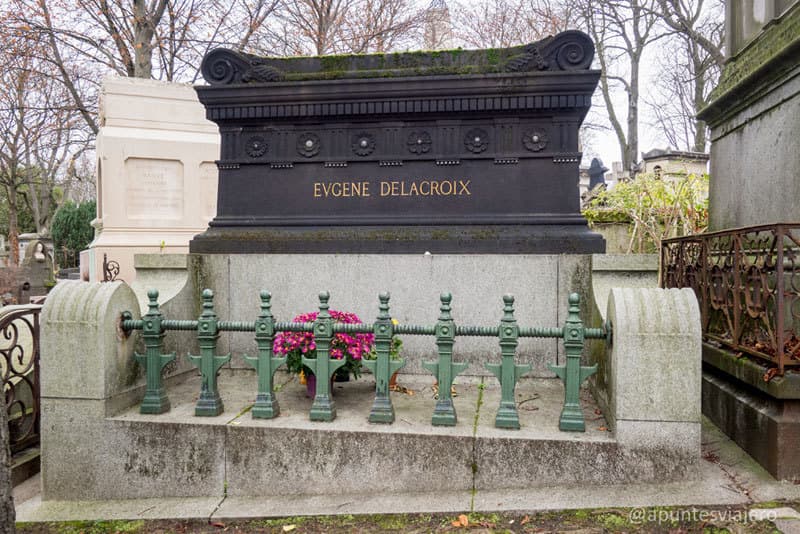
[(208, 302), (266, 304), (384, 306), (444, 308), (324, 296), (508, 308), (152, 294)]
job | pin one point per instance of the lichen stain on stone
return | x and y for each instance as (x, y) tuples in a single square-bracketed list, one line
[(156, 457)]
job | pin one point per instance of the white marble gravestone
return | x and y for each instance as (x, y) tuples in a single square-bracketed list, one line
[(156, 176)]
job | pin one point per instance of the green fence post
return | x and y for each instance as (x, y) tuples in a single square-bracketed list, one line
[(383, 367), (323, 408), (444, 414), (573, 373), (209, 403), (266, 406), (155, 396), (507, 372)]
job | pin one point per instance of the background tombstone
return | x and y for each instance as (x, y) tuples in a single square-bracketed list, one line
[(754, 117), (35, 276)]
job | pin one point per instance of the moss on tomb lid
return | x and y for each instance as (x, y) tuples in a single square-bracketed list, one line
[(571, 50)]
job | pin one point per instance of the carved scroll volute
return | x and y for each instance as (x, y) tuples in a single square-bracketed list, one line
[(222, 67), (569, 50)]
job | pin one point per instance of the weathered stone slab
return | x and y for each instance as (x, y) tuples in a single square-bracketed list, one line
[(651, 377), (766, 427), (88, 457), (540, 283), (84, 353)]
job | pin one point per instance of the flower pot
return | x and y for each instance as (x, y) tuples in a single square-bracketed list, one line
[(341, 376), (311, 386)]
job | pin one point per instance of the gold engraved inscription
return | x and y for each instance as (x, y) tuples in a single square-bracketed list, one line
[(341, 189), (394, 188)]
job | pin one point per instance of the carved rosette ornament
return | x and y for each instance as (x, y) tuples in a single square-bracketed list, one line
[(535, 140), (419, 142), (476, 140), (256, 146), (363, 144), (308, 145)]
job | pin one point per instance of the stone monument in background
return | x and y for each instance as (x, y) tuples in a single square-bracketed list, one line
[(156, 176), (754, 116)]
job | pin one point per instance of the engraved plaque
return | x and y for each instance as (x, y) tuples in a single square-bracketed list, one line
[(153, 189)]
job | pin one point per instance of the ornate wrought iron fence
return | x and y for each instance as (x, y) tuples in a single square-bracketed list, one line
[(747, 282), (110, 270), (208, 327), (19, 365)]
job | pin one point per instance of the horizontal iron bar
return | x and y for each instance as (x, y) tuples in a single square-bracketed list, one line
[(541, 332), (236, 326), (743, 348), (478, 331), (595, 333), (415, 330), (294, 327), (733, 231), (178, 324), (132, 324), (364, 328), (350, 328)]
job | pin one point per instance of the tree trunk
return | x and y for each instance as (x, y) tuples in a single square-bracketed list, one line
[(144, 24), (7, 512), (700, 73), (13, 224), (142, 39), (632, 147)]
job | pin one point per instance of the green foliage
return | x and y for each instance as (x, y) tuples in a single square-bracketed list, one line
[(71, 228), (87, 527), (25, 222), (656, 208), (394, 350)]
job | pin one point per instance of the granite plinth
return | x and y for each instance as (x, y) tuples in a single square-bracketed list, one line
[(459, 239)]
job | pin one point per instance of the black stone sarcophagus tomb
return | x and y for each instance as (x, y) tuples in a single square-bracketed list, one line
[(462, 151)]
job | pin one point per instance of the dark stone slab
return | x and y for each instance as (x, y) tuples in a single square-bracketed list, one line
[(461, 151), (485, 239), (768, 429), (752, 373)]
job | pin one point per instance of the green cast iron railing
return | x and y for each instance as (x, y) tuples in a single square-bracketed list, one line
[(154, 326)]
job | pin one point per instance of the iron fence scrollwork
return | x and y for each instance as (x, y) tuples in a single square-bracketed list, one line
[(747, 282), (19, 369)]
